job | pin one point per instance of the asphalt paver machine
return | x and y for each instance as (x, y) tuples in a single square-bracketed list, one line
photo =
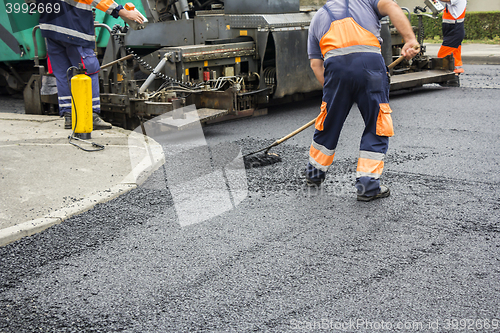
[(229, 58), (226, 57)]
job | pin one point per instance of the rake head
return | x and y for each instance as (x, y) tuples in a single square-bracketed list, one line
[(261, 160)]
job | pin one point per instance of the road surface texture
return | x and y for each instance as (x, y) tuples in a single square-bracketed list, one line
[(264, 253)]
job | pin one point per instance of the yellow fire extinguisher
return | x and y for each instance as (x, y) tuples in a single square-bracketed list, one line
[(81, 107)]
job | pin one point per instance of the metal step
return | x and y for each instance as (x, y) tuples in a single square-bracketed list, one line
[(417, 79), (192, 118)]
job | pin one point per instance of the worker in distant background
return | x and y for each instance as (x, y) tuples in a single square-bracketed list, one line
[(453, 31), (70, 41), (345, 56)]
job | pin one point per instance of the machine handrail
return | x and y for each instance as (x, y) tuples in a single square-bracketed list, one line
[(35, 44)]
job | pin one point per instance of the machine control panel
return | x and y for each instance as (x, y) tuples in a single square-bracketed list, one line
[(435, 6)]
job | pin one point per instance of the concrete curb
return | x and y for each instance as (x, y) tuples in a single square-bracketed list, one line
[(136, 177), (481, 60), (28, 228)]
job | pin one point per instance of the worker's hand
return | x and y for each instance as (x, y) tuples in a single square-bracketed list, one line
[(131, 15), (410, 49)]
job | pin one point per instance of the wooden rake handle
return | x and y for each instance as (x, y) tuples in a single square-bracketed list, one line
[(398, 60), (297, 131)]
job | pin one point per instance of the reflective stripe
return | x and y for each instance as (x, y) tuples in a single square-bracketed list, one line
[(111, 8), (371, 155), (64, 97), (96, 99), (323, 149), (66, 31), (325, 160), (78, 5), (368, 167), (64, 105), (320, 157), (96, 106), (352, 49), (360, 174), (453, 21), (317, 165)]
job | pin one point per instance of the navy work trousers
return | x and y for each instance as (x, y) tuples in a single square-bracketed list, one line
[(62, 56), (359, 78)]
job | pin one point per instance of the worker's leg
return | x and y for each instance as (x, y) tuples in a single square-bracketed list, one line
[(453, 35), (86, 56), (457, 54), (337, 102), (445, 51), (373, 102), (60, 64), (92, 66)]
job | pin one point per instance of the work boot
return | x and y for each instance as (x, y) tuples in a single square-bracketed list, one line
[(100, 124), (67, 120), (384, 192), (451, 83), (312, 182)]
